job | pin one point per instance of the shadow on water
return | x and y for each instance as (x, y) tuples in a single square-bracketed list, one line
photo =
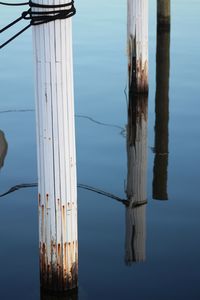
[(3, 148), (79, 185), (80, 116), (136, 191), (160, 170)]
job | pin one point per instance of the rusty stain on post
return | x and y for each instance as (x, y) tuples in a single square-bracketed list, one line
[(137, 37), (63, 275), (142, 76)]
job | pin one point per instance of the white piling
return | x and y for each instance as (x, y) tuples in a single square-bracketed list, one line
[(57, 184), (137, 35)]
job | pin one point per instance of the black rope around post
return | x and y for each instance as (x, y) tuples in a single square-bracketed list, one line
[(54, 12), (14, 4)]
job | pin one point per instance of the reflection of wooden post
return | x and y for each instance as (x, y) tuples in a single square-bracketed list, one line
[(136, 178), (162, 114), (137, 32), (56, 153), (3, 148), (163, 13)]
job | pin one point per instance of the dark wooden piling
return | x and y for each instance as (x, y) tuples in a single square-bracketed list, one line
[(162, 114), (163, 13)]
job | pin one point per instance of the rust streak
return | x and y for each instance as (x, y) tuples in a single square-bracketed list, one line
[(60, 278), (47, 198), (39, 199), (43, 215), (142, 76), (65, 260)]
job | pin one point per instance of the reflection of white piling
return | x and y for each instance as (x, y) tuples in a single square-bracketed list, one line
[(56, 153), (136, 179), (137, 31), (137, 150), (135, 234)]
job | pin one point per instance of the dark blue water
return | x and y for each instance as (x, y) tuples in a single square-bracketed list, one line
[(171, 269)]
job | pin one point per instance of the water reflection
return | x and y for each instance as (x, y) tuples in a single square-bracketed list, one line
[(3, 148), (136, 178), (162, 114)]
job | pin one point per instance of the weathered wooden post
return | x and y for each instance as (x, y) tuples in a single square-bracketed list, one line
[(162, 113), (163, 13), (136, 178), (3, 148), (137, 31), (57, 186)]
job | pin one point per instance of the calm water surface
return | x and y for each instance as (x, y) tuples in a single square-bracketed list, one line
[(170, 234)]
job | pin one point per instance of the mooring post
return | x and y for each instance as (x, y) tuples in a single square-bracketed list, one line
[(163, 13), (137, 31), (57, 184), (160, 171), (136, 178)]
